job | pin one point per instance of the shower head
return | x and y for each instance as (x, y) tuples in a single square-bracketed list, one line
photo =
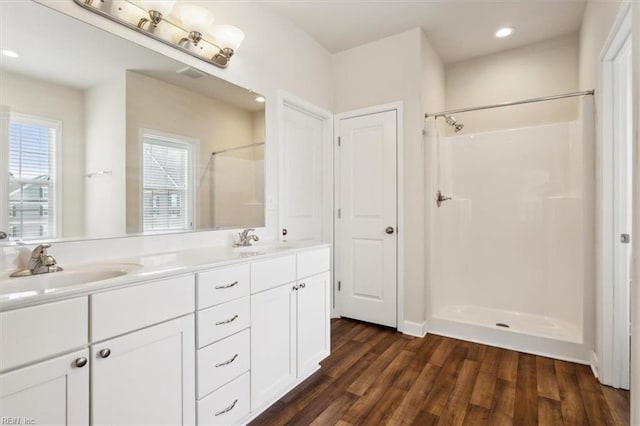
[(451, 121)]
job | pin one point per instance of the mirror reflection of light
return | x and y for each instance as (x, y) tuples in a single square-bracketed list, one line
[(9, 53), (22, 294)]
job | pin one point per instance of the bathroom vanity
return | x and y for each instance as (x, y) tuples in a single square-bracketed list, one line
[(195, 337)]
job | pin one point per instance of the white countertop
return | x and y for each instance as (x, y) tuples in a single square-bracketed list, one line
[(22, 292)]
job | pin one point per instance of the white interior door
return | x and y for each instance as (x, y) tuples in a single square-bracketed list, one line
[(366, 229), (301, 198), (622, 200)]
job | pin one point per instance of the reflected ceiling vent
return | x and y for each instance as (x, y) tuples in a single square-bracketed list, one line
[(191, 72)]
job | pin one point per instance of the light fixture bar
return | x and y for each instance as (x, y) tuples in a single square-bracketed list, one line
[(220, 59)]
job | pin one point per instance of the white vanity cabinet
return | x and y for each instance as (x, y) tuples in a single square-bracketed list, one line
[(53, 392), (208, 346), (38, 385), (223, 360), (146, 373), (289, 322), (145, 377)]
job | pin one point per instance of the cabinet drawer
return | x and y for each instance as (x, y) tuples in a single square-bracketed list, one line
[(222, 362), (120, 311), (313, 262), (223, 320), (226, 406), (272, 273), (222, 285), (29, 334)]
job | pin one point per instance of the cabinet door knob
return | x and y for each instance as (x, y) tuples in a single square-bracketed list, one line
[(81, 362), (295, 288), (105, 353), (302, 285)]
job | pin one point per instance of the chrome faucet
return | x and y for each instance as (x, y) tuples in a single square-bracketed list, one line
[(245, 238), (40, 262)]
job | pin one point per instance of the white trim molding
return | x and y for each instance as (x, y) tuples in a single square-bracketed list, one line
[(416, 329)]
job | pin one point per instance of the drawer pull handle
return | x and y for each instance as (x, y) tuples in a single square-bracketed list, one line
[(227, 321), (222, 287), (105, 353), (227, 362), (226, 410)]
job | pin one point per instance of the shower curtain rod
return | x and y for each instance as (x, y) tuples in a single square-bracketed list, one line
[(237, 148), (526, 101)]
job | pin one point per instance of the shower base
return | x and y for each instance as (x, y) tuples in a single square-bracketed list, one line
[(535, 334)]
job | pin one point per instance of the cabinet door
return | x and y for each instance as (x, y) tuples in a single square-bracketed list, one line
[(272, 343), (313, 326), (54, 392), (146, 377)]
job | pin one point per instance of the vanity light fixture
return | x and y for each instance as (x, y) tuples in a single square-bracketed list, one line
[(260, 99), (157, 9), (186, 26), (504, 32), (196, 21)]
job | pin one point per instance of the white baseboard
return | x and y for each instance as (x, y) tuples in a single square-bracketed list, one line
[(417, 329), (594, 364)]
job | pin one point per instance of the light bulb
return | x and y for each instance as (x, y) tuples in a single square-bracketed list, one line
[(195, 18), (227, 37), (162, 6)]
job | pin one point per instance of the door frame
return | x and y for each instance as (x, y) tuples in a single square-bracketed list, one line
[(608, 369), (398, 108)]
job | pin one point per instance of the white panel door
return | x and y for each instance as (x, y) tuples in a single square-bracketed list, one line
[(54, 392), (147, 377), (273, 346), (622, 203), (366, 229), (313, 323), (301, 198)]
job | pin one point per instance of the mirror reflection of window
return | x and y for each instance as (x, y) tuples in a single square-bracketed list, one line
[(167, 183), (34, 199)]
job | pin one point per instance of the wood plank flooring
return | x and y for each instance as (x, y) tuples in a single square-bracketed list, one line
[(378, 376)]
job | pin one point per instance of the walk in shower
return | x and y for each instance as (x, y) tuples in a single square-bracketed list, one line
[(506, 219)]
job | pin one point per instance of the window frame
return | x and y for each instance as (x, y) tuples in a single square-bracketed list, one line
[(171, 140), (55, 223)]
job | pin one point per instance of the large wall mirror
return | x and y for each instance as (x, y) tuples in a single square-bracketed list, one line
[(101, 137)]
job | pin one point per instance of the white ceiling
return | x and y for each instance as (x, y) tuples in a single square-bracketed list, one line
[(458, 29)]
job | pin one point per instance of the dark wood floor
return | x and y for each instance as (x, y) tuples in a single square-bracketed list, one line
[(378, 376)]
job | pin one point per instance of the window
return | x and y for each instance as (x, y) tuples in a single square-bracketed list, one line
[(34, 195), (167, 183)]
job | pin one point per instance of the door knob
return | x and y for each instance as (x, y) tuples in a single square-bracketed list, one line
[(389, 230), (105, 353), (81, 362)]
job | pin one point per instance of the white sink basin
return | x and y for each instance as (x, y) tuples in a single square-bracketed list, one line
[(50, 282)]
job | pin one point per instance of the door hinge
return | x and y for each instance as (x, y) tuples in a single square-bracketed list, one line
[(339, 285), (339, 141), (625, 238), (339, 213)]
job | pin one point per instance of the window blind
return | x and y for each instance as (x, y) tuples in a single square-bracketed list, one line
[(166, 186), (32, 178)]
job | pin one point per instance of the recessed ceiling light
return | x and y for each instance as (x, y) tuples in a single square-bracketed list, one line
[(504, 32), (260, 99), (9, 53)]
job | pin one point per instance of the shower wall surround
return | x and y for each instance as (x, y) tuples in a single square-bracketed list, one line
[(510, 242)]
